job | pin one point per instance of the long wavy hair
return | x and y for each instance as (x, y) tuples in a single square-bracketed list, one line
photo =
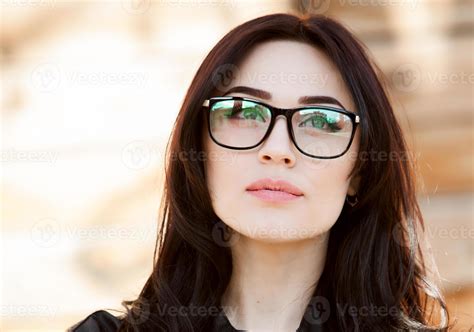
[(376, 259)]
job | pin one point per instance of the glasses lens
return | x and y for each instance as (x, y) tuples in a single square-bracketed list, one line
[(239, 123), (321, 132)]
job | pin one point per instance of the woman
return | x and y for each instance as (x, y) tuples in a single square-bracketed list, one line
[(289, 202)]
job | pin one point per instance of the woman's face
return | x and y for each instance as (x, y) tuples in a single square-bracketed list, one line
[(287, 70)]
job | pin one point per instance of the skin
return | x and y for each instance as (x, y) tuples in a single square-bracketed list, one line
[(279, 249)]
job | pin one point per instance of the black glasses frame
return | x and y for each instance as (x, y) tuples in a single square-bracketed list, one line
[(275, 112)]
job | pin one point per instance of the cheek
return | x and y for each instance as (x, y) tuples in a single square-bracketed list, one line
[(329, 184), (222, 175), (331, 181), (329, 177)]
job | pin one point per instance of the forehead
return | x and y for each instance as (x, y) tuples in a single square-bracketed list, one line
[(290, 69)]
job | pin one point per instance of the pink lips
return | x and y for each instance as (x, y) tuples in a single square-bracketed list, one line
[(274, 191)]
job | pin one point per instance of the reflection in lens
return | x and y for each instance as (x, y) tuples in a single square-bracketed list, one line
[(319, 132), (239, 123), (322, 132)]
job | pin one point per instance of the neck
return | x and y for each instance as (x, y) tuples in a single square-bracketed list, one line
[(272, 283)]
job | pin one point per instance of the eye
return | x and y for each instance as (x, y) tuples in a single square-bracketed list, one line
[(315, 121), (321, 121), (253, 113), (239, 110)]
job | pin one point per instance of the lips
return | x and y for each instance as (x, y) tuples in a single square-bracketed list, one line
[(275, 185)]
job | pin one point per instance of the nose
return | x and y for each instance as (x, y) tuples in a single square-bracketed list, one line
[(278, 147)]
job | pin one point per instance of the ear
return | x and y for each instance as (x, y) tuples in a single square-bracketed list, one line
[(353, 185)]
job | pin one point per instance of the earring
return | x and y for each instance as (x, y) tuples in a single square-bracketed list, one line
[(352, 200)]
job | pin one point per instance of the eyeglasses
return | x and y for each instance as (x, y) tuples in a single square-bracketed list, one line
[(317, 131)]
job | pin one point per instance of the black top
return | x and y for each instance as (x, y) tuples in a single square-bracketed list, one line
[(98, 321), (103, 321)]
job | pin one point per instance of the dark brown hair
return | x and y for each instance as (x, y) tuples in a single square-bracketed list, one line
[(375, 256)]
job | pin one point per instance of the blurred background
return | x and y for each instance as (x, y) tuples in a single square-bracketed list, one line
[(89, 93)]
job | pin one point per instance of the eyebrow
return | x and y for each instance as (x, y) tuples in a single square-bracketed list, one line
[(262, 94)]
